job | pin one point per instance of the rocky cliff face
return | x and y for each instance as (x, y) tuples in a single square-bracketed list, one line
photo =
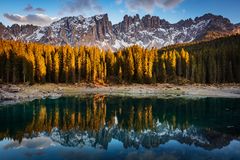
[(148, 31), (151, 31), (76, 31), (17, 32)]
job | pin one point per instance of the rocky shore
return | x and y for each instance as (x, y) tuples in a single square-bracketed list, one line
[(22, 92)]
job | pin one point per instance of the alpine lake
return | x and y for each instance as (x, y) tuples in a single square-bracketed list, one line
[(111, 127)]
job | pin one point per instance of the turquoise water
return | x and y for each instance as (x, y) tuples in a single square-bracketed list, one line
[(101, 127)]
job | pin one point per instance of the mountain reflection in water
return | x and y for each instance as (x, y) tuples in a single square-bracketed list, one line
[(132, 125)]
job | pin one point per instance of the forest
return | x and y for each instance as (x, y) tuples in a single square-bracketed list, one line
[(216, 61)]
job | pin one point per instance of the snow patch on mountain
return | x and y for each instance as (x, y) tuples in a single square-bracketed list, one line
[(148, 31)]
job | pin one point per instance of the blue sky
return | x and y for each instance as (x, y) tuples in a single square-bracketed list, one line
[(43, 12)]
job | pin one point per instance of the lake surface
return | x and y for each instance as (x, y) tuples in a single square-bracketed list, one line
[(101, 127)]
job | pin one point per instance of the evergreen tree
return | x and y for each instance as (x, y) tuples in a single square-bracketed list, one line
[(56, 62), (129, 66), (200, 62)]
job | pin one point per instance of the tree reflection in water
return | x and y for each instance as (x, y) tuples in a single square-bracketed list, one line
[(96, 120)]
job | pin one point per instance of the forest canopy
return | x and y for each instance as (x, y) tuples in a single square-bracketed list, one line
[(216, 61)]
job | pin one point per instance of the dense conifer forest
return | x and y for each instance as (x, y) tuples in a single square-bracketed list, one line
[(216, 61)]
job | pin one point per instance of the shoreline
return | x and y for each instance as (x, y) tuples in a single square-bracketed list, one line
[(12, 94)]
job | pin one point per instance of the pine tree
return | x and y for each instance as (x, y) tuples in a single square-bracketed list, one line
[(110, 61), (79, 59), (199, 62), (129, 66), (162, 72), (31, 64), (40, 64), (48, 62), (138, 71), (88, 69), (56, 64), (193, 68), (71, 65), (120, 74), (65, 62)]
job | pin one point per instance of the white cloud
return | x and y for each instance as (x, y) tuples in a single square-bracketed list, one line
[(34, 143), (90, 7), (30, 8), (35, 19), (149, 5), (122, 11), (81, 6), (118, 1)]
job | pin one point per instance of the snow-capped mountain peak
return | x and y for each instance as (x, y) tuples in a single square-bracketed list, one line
[(148, 31)]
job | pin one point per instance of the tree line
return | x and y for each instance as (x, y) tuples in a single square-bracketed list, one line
[(216, 61)]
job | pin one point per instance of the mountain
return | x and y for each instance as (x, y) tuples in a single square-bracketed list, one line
[(148, 31), (135, 139), (17, 32)]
